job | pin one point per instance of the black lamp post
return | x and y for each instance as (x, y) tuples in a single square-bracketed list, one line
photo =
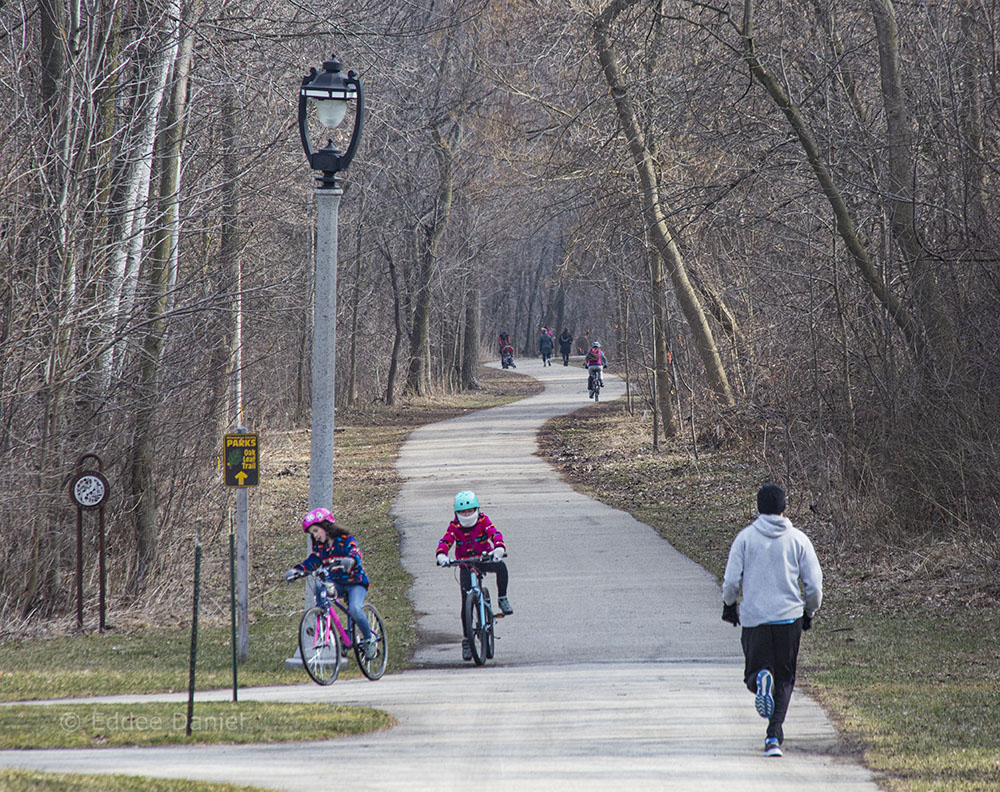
[(330, 92)]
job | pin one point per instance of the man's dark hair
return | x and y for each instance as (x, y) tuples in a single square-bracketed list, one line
[(771, 499)]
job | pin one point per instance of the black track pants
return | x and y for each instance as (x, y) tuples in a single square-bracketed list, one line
[(776, 648)]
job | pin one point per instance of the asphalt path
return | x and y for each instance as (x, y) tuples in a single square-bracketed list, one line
[(615, 668)]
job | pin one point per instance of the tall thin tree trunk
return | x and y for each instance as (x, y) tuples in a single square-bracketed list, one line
[(128, 244), (660, 236), (58, 39), (166, 237), (470, 350), (397, 340), (429, 237), (845, 223), (901, 200)]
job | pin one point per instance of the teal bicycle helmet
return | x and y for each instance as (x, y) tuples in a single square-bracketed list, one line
[(466, 499)]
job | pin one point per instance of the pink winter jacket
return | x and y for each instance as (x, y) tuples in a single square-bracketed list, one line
[(480, 538)]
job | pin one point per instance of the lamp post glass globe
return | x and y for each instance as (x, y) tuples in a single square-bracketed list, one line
[(330, 112)]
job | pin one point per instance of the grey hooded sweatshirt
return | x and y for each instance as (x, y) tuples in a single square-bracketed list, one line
[(768, 558)]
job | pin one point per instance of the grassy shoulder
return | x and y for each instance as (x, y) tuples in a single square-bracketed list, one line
[(912, 679), (31, 781), (148, 651), (114, 725)]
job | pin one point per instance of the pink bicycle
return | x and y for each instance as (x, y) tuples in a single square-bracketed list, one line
[(323, 640)]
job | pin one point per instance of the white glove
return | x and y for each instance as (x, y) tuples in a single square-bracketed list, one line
[(442, 559), (291, 574), (498, 553), (347, 563)]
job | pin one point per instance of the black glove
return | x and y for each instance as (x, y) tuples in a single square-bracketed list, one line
[(807, 621), (731, 614)]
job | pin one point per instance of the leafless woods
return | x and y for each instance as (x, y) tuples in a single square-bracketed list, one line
[(782, 214)]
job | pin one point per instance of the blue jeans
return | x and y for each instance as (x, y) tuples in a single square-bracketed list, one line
[(355, 596)]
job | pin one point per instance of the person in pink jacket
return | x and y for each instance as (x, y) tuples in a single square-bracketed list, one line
[(473, 535)]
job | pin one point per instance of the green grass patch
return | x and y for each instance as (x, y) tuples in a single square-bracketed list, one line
[(117, 725), (912, 682), (147, 649), (31, 781)]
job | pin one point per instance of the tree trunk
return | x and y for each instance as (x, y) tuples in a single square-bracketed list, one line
[(973, 171), (166, 236), (129, 237), (660, 236), (397, 340), (428, 240), (845, 224), (57, 290), (470, 351), (901, 200)]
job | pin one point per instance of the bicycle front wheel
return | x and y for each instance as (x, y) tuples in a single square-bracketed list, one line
[(319, 646), (474, 628), (491, 624), (372, 667)]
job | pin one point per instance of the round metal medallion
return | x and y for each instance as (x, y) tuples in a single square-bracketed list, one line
[(89, 490)]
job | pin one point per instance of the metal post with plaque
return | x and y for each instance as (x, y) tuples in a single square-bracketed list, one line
[(241, 463), (89, 490)]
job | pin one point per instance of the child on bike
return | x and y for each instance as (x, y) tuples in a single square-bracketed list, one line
[(595, 361), (336, 557), (473, 534)]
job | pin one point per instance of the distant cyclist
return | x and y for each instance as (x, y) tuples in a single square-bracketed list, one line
[(472, 534), (595, 361)]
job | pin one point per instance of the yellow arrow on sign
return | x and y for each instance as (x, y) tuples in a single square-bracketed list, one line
[(240, 478)]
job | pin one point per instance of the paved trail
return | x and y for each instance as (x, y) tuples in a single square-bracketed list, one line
[(615, 669)]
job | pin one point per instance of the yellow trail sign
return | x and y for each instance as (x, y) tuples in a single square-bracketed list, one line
[(240, 455)]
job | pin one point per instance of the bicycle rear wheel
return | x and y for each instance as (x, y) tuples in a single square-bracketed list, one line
[(474, 627), (372, 667), (319, 647)]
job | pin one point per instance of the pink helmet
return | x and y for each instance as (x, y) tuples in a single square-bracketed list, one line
[(317, 516)]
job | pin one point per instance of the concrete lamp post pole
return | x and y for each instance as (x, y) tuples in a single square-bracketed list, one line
[(329, 92)]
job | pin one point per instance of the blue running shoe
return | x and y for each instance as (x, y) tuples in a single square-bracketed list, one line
[(771, 747), (764, 701)]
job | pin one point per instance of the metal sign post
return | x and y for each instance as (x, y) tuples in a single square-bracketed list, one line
[(89, 490), (241, 460)]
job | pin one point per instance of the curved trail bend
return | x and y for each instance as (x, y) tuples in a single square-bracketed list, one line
[(614, 672)]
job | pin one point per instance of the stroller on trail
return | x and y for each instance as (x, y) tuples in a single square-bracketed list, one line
[(506, 351)]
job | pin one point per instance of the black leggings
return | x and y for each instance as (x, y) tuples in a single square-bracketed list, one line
[(465, 578), (776, 648)]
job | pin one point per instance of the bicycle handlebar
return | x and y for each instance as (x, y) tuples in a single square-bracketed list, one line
[(486, 558), (335, 563)]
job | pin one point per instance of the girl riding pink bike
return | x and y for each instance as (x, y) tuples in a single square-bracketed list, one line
[(336, 558)]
